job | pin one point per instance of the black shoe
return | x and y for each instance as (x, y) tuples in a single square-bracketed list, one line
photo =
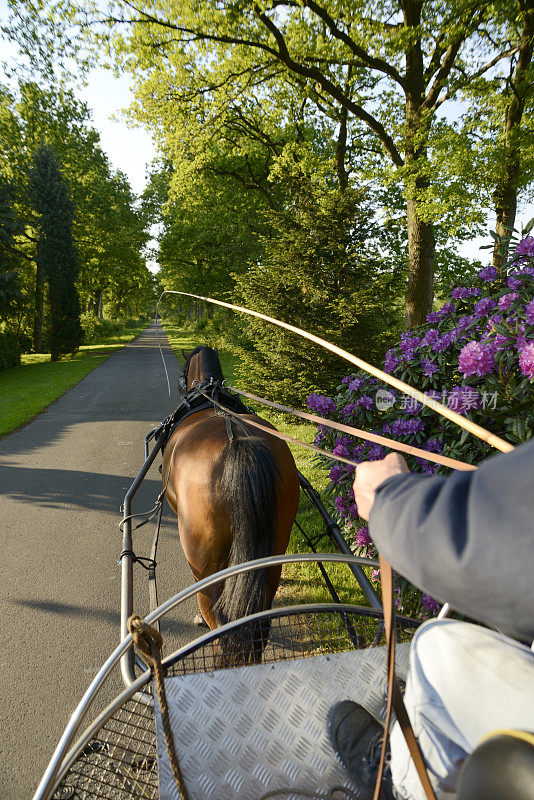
[(356, 737)]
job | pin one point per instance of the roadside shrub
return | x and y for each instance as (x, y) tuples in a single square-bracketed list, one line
[(476, 355), (95, 329), (9, 350)]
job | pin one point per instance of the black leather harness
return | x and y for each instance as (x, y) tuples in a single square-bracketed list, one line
[(193, 401)]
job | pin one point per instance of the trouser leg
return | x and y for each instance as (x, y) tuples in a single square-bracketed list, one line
[(464, 682)]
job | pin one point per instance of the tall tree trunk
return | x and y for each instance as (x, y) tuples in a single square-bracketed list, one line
[(99, 302), (39, 303), (421, 249), (421, 239), (505, 195)]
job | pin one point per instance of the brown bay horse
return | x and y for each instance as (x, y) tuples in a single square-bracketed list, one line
[(235, 492)]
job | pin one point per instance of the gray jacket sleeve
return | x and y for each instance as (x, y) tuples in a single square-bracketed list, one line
[(467, 539)]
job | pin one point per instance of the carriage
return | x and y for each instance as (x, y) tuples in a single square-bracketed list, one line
[(247, 700)]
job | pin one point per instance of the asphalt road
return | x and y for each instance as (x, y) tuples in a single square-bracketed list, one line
[(62, 481)]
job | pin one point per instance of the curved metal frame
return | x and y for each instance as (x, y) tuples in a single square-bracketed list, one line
[(137, 686), (50, 778)]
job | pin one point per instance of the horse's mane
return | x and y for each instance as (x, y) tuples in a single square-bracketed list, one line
[(210, 364)]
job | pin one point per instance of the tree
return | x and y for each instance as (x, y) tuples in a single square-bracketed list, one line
[(518, 90), (323, 271), (9, 289), (111, 267), (415, 55), (57, 259)]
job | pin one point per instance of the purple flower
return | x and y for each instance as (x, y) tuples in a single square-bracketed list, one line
[(349, 409), (476, 359), (429, 604), (342, 505), (432, 317), (430, 367), (498, 342), (488, 273), (494, 320), (446, 309), (346, 379), (355, 384), (443, 342), (336, 473), (409, 345), (460, 292), (376, 452), (341, 450), (463, 398), (406, 427), (320, 403), (319, 439), (353, 511), (525, 246), (507, 300), (529, 312), (434, 445), (392, 361), (465, 321), (366, 402), (357, 452), (431, 336), (362, 536), (483, 307), (514, 283), (526, 359)]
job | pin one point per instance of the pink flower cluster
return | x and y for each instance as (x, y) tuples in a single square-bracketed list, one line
[(476, 359)]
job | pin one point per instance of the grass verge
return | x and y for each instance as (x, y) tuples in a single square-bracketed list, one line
[(27, 390), (300, 583)]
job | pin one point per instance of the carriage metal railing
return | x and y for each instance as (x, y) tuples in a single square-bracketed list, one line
[(62, 758)]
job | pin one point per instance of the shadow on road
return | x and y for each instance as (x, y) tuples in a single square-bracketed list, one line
[(58, 488)]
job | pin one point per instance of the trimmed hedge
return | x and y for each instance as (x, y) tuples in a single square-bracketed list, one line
[(9, 350)]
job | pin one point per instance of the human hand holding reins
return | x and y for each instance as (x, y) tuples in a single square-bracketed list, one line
[(369, 475)]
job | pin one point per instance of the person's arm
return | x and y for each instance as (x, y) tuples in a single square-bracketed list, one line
[(467, 539)]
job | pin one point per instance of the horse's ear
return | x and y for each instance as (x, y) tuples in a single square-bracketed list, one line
[(185, 354)]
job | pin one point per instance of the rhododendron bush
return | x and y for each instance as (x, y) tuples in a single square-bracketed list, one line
[(476, 355)]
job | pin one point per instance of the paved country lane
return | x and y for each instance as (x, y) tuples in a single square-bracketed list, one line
[(62, 480)]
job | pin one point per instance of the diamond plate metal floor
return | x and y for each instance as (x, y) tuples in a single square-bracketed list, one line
[(245, 732)]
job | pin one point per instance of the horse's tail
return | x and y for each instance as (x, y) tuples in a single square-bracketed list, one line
[(248, 490)]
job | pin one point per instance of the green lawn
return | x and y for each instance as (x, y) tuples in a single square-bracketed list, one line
[(300, 582), (27, 390)]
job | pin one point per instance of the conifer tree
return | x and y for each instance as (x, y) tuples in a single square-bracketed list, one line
[(57, 259)]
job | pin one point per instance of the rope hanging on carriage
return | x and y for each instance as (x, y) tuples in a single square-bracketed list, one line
[(149, 643)]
